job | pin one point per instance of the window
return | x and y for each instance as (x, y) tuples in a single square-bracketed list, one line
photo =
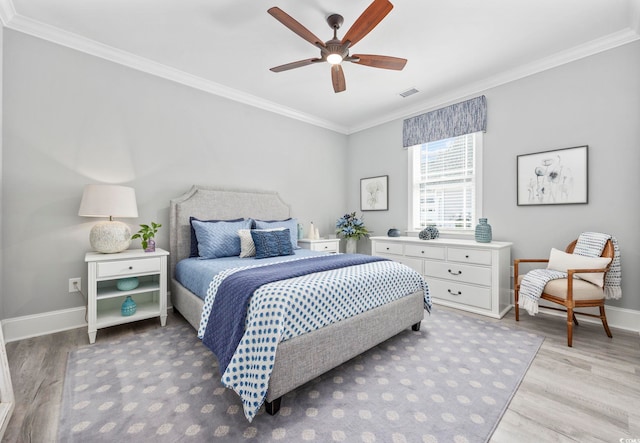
[(445, 183)]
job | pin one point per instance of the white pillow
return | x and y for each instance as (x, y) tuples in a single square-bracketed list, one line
[(247, 246), (561, 261)]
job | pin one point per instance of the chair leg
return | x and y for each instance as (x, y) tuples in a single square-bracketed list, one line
[(575, 320), (603, 317), (515, 297), (570, 316)]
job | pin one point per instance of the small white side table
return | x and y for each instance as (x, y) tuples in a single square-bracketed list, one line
[(105, 299), (323, 244)]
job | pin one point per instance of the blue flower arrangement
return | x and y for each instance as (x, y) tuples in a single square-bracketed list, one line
[(350, 226)]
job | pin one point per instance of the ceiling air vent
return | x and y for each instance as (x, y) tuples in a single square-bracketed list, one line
[(409, 92)]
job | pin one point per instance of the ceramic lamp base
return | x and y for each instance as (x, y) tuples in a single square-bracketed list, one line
[(110, 237)]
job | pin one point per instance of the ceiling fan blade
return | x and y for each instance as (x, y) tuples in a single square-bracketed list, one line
[(380, 61), (368, 20), (298, 64), (337, 78), (295, 26)]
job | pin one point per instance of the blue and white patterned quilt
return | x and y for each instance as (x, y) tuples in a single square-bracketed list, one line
[(299, 305)]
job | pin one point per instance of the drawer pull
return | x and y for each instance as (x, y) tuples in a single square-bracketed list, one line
[(387, 248), (466, 256), (454, 273), (454, 293), (130, 267)]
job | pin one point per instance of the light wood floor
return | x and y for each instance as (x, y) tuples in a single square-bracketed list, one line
[(590, 392)]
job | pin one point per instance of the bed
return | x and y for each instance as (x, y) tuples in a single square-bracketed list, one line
[(303, 357)]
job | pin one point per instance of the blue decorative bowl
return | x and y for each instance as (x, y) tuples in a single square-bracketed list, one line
[(393, 232), (127, 284)]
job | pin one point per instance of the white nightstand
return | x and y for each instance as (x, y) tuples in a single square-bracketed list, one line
[(323, 244), (105, 299)]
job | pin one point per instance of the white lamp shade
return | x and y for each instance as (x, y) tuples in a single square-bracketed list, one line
[(108, 201)]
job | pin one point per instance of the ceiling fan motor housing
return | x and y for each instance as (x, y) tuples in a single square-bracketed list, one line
[(335, 47)]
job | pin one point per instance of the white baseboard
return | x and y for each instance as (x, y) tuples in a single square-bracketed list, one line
[(19, 328), (619, 318)]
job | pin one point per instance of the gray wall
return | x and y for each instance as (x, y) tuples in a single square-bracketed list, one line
[(1, 181), (72, 119), (593, 101)]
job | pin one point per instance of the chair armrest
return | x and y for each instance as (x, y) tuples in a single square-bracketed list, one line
[(517, 261), (570, 272), (583, 271), (570, 278), (530, 260)]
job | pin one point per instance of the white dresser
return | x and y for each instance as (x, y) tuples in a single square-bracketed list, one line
[(462, 274)]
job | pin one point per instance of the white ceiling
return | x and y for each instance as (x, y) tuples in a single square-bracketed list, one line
[(454, 47)]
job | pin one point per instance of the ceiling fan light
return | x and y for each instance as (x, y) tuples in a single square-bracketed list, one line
[(334, 59)]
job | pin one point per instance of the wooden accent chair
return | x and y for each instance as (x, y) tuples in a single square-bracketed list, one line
[(569, 292)]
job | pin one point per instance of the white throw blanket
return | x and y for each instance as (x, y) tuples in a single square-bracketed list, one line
[(589, 244)]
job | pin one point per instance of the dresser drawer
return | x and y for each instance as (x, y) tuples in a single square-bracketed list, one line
[(460, 293), (458, 272), (388, 248), (126, 267), (433, 252), (475, 256)]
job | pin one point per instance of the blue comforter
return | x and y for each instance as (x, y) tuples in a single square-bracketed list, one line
[(227, 319)]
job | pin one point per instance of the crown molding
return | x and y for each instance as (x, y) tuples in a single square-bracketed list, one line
[(64, 38), (590, 48), (23, 24), (7, 11)]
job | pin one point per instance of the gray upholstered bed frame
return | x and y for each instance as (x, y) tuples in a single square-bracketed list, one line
[(307, 356)]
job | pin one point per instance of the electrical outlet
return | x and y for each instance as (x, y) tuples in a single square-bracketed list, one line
[(75, 284)]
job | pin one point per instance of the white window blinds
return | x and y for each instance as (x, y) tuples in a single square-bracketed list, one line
[(445, 183)]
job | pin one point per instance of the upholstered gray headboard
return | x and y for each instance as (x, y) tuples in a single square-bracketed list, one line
[(208, 203)]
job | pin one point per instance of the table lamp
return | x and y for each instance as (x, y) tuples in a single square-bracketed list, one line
[(109, 201)]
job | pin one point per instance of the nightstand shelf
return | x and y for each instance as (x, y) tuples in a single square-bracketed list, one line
[(111, 290), (105, 299), (109, 313)]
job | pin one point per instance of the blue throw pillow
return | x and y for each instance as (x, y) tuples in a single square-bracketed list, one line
[(291, 224), (219, 239), (272, 243), (193, 252)]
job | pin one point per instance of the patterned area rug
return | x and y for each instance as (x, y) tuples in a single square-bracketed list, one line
[(449, 382)]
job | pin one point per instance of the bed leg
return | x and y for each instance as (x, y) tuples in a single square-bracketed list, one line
[(273, 406), (416, 327)]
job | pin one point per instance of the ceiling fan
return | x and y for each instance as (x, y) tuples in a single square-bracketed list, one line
[(335, 51)]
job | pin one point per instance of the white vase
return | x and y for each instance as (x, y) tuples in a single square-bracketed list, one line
[(352, 245)]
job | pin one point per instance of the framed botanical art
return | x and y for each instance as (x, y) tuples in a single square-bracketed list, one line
[(557, 177), (374, 193)]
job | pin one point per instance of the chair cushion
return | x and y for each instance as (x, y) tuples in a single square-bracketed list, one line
[(582, 290)]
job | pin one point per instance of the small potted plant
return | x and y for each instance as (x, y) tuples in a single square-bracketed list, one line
[(146, 234)]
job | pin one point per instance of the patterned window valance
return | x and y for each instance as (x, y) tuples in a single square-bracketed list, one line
[(462, 118)]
